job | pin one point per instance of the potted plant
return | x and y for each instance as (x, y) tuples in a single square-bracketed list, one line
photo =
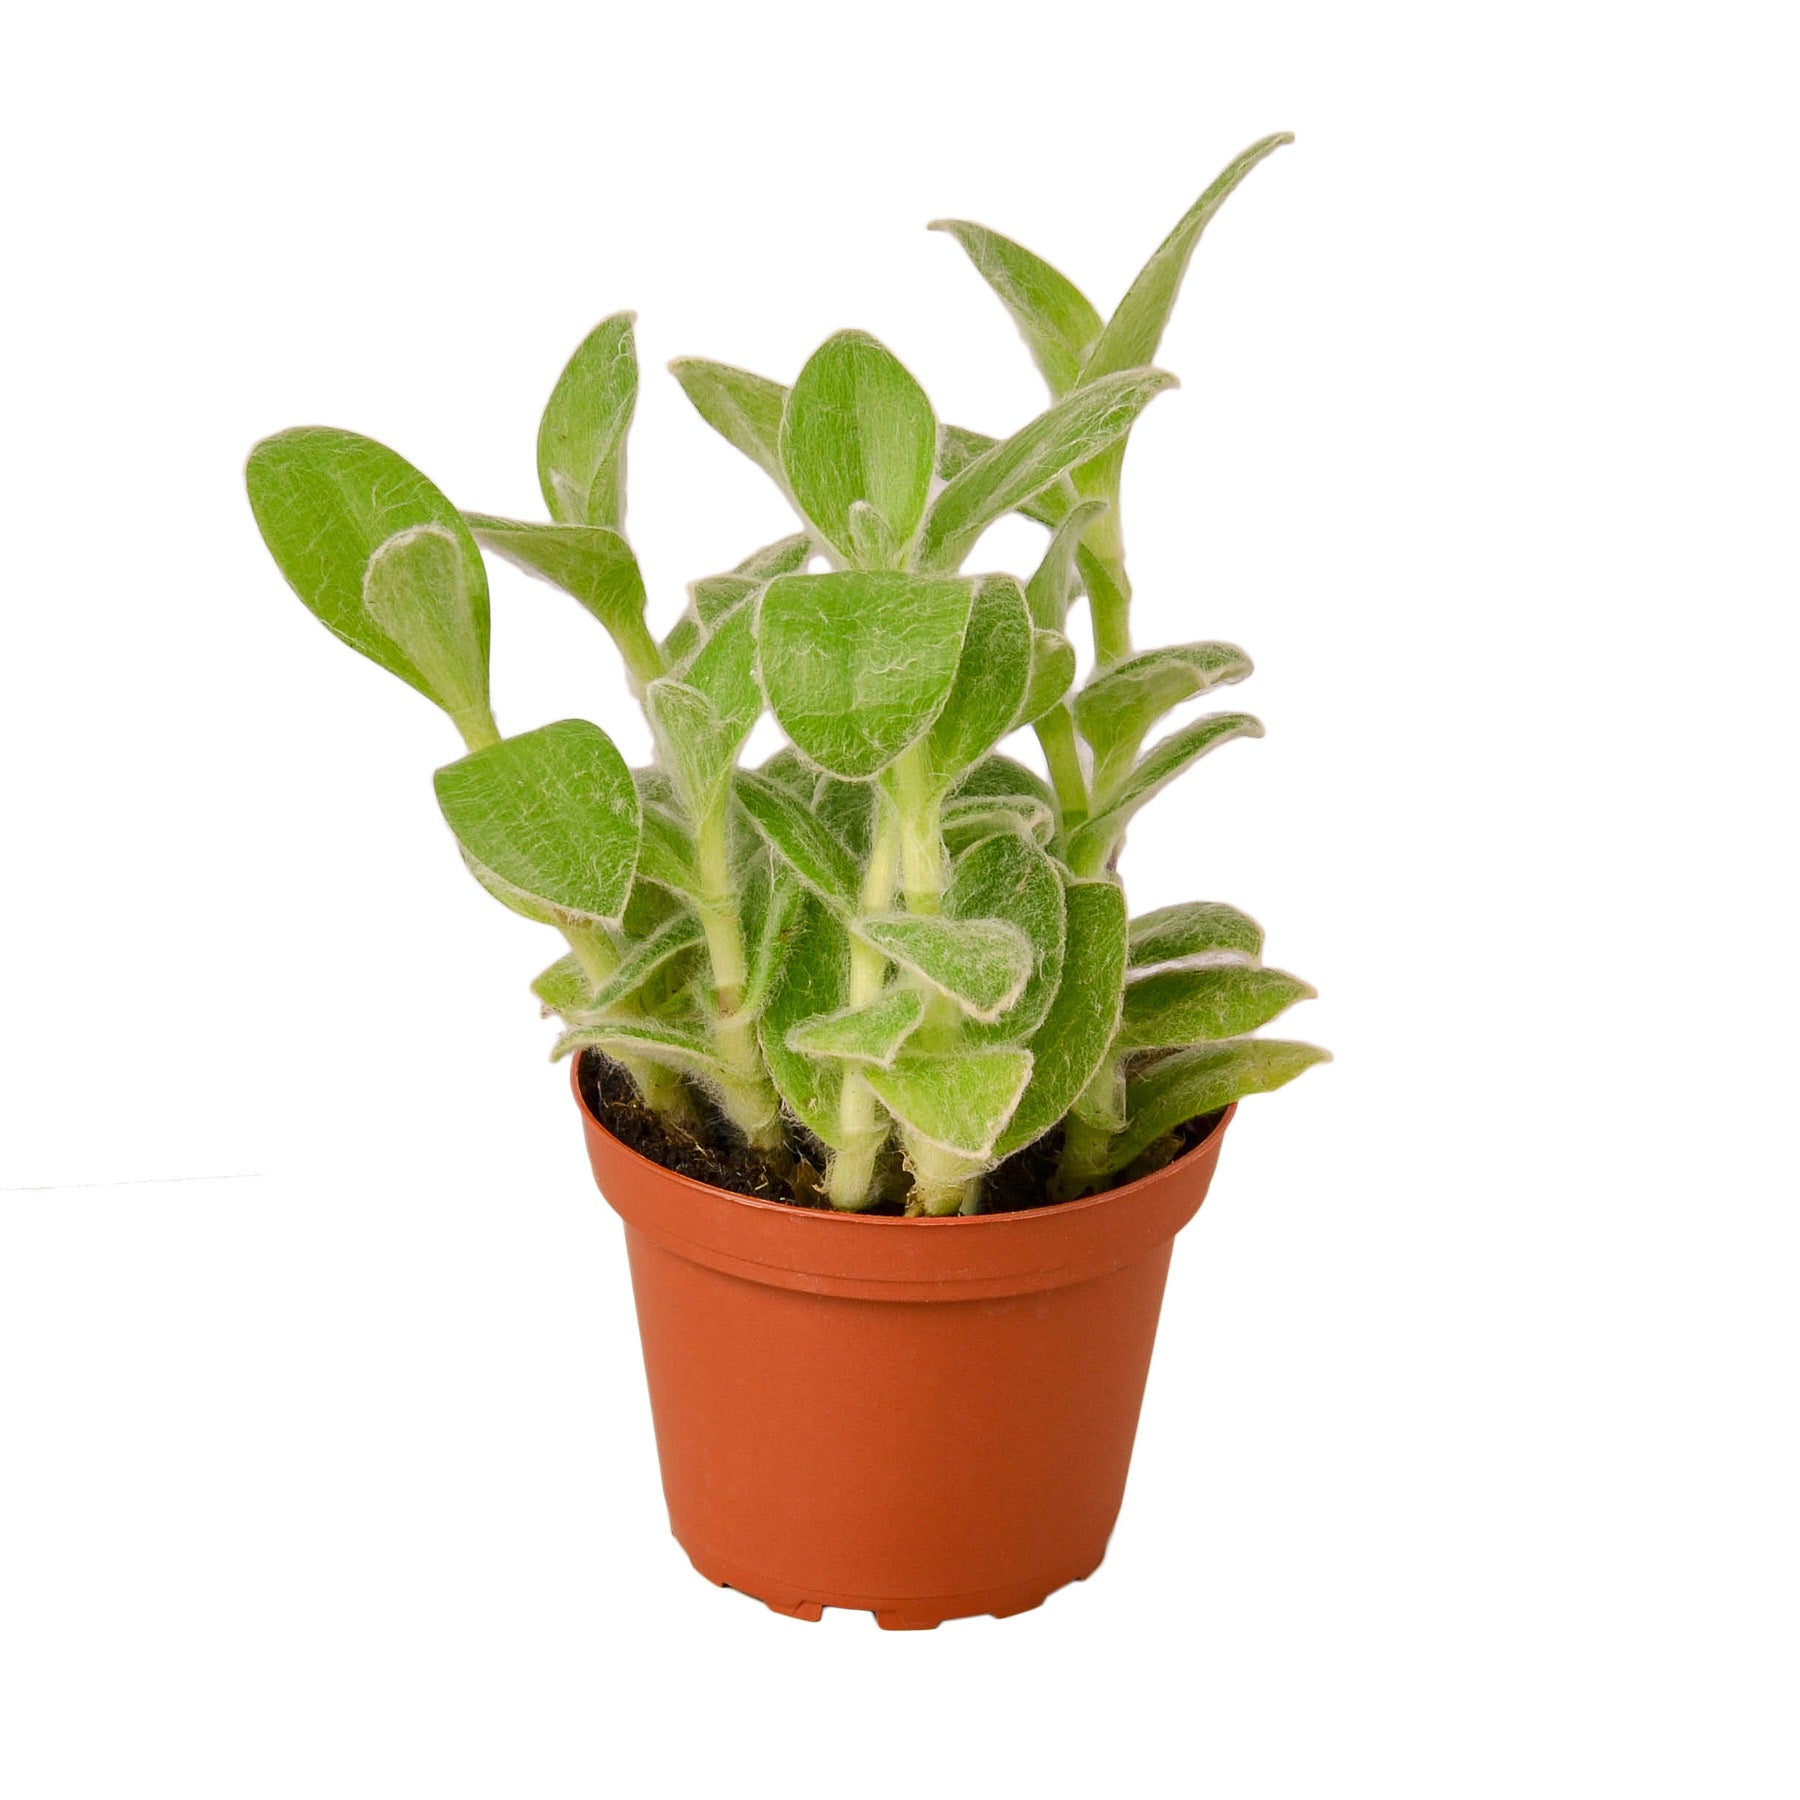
[(901, 1109)]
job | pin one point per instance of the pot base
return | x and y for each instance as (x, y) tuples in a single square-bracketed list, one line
[(890, 1615)]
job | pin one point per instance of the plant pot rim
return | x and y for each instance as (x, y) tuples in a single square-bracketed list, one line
[(859, 1255)]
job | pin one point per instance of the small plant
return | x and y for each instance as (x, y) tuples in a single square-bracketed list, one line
[(890, 933)]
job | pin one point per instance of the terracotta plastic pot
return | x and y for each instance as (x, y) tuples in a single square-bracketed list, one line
[(923, 1418)]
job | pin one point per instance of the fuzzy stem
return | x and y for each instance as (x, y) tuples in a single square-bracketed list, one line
[(1108, 589), (919, 804), (748, 1096), (1056, 732), (643, 655), (1088, 1134), (850, 1180)]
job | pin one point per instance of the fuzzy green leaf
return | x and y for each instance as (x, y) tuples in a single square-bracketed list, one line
[(581, 439), (1008, 877), (1070, 1045), (814, 982), (1069, 433), (1052, 675), (416, 589), (857, 426), (872, 541), (724, 669), (788, 769), (1057, 321), (798, 838), (1159, 766), (869, 1034), (967, 821), (1193, 928), (847, 810), (1001, 775), (982, 964), (769, 927), (1122, 702), (786, 556), (1053, 586), (694, 743), (1201, 1080), (958, 447), (665, 853), (742, 408), (670, 1043), (645, 959), (714, 597), (960, 1099), (1191, 1006), (991, 680), (564, 988), (857, 666), (549, 822), (326, 501), (592, 562), (1134, 332)]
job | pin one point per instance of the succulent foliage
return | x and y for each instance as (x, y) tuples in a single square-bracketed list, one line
[(891, 932)]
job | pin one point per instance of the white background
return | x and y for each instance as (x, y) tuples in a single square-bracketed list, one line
[(1468, 1465)]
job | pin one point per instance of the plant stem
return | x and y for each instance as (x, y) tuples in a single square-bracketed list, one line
[(1088, 1134), (663, 1090), (643, 655), (919, 803), (748, 1096), (1108, 590), (1062, 755), (850, 1180)]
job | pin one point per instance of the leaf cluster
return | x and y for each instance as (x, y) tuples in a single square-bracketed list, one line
[(891, 932)]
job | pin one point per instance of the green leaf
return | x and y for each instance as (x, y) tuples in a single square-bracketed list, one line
[(1122, 702), (724, 669), (1053, 587), (1190, 1006), (1070, 1045), (1068, 434), (857, 426), (581, 439), (798, 838), (326, 501), (1057, 321), (864, 1034), (1193, 928), (856, 665), (966, 822), (960, 1099), (1009, 878), (789, 769), (786, 556), (1201, 1080), (847, 810), (416, 589), (549, 822), (665, 853), (982, 964), (564, 988), (872, 541), (958, 447), (770, 927), (742, 408), (644, 959), (1001, 775), (1133, 333), (694, 743), (991, 680), (1160, 765), (814, 981), (715, 597), (1052, 675), (591, 562), (685, 1047)]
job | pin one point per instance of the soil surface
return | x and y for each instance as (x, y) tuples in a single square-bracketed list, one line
[(709, 1148)]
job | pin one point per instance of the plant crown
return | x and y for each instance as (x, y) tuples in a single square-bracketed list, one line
[(890, 932)]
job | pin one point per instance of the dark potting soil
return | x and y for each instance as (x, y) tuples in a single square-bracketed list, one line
[(709, 1148)]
